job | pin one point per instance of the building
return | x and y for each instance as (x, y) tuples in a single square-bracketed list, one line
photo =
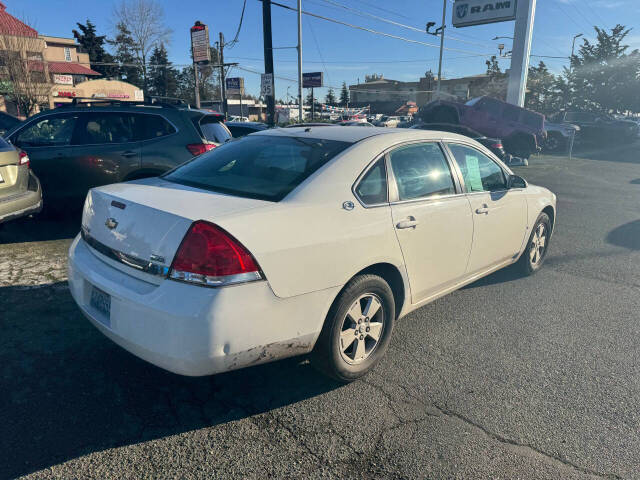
[(387, 96)]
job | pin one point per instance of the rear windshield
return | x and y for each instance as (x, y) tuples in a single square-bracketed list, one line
[(257, 166), (213, 130)]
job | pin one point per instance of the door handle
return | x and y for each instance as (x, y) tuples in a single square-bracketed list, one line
[(410, 222), (128, 154), (482, 209)]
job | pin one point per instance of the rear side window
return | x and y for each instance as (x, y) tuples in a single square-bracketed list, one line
[(372, 189), (421, 170), (213, 130), (492, 107), (51, 131), (106, 127), (480, 173), (511, 113), (258, 166), (147, 126)]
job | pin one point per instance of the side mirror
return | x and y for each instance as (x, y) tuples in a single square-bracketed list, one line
[(515, 181)]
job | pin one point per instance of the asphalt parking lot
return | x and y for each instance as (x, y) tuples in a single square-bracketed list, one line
[(511, 377)]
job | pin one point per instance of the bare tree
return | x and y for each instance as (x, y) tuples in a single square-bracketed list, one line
[(144, 19), (23, 74)]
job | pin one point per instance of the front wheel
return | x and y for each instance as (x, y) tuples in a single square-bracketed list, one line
[(536, 250), (357, 331)]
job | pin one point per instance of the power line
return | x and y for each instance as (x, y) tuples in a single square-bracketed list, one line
[(561, 8), (318, 48), (385, 10), (376, 32), (235, 39)]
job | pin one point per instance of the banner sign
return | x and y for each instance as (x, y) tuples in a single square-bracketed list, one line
[(311, 80), (479, 12), (62, 79), (235, 85)]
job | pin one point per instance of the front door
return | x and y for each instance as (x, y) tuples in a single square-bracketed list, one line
[(48, 142), (431, 216), (499, 213)]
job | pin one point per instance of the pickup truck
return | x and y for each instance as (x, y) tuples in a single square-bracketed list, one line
[(521, 130)]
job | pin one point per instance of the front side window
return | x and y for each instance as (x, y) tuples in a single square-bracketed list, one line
[(480, 173), (106, 127), (48, 132), (421, 171), (258, 166), (491, 106), (372, 189)]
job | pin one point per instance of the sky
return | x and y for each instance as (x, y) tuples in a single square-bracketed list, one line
[(343, 53)]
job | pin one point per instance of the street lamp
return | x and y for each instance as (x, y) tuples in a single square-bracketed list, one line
[(573, 44), (498, 38)]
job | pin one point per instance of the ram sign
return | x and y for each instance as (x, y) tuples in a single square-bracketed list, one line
[(478, 12)]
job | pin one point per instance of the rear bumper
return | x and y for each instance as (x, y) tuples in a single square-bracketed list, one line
[(21, 204), (193, 330)]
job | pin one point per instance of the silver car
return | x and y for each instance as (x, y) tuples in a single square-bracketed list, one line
[(20, 192)]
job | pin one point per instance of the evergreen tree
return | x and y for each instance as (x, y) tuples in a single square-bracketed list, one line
[(496, 80), (330, 99), (543, 92), (344, 95), (162, 80), (124, 53), (93, 44)]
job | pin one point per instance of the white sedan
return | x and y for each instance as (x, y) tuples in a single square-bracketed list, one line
[(290, 241)]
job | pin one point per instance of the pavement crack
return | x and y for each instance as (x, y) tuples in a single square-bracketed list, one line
[(508, 441)]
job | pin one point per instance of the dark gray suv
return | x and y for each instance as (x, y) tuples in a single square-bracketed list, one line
[(75, 148)]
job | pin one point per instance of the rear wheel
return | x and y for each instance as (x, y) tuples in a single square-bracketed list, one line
[(555, 143), (534, 254), (357, 330)]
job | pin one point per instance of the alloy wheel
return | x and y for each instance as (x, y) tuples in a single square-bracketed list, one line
[(361, 329), (538, 244)]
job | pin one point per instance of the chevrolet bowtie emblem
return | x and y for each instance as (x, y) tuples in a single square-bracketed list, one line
[(111, 223)]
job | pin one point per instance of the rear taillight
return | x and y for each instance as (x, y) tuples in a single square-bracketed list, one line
[(496, 145), (24, 158), (199, 148), (210, 256)]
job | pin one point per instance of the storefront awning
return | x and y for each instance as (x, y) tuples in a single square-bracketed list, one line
[(63, 67)]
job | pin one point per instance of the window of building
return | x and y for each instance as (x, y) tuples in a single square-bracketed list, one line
[(67, 54)]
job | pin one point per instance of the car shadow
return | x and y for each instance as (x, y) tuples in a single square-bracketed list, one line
[(503, 275), (635, 181), (627, 235), (69, 391), (40, 228)]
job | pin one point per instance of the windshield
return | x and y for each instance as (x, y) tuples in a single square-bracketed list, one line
[(260, 166), (473, 101)]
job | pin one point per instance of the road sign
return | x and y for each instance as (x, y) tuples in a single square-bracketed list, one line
[(200, 43), (235, 86), (266, 85), (311, 80), (478, 12)]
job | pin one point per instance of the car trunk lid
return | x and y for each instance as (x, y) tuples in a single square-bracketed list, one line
[(10, 172), (137, 227)]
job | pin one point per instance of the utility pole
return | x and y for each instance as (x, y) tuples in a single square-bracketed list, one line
[(435, 33), (268, 57), (223, 87), (519, 71), (300, 104)]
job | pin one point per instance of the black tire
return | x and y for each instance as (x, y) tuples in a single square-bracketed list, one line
[(555, 143), (328, 356), (526, 263)]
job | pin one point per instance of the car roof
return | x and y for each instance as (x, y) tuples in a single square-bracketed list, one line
[(355, 134)]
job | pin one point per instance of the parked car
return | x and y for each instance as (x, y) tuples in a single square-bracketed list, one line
[(387, 121), (558, 136), (356, 123), (238, 118), (493, 144), (599, 127), (311, 124), (521, 130), (240, 129), (266, 247), (75, 148), (20, 192), (7, 122)]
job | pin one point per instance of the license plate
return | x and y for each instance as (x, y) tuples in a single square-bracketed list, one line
[(102, 303)]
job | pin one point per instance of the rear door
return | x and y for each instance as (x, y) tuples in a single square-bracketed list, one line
[(162, 146), (431, 216), (499, 213), (48, 141), (106, 150)]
